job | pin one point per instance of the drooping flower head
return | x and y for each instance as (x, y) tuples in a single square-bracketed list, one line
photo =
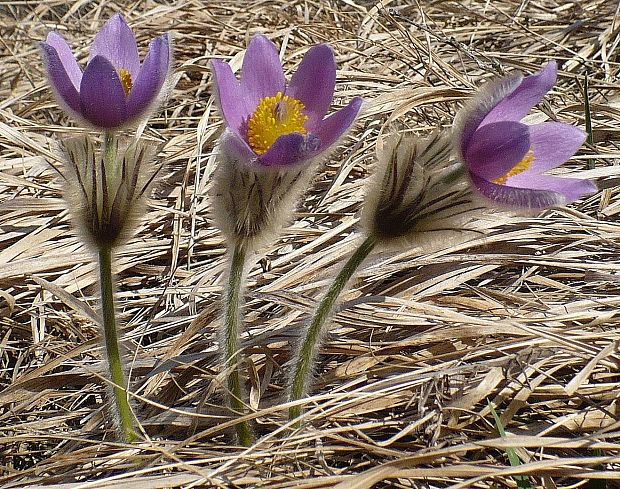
[(506, 159), (115, 89), (274, 124)]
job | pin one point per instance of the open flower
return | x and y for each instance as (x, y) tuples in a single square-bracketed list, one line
[(274, 134), (275, 125), (114, 89), (505, 158)]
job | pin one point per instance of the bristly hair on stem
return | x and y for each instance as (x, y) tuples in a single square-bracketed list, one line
[(113, 347), (229, 337), (307, 351)]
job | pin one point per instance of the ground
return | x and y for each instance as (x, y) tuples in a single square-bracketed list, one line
[(426, 345)]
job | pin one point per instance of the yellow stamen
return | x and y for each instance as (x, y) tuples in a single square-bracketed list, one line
[(125, 77), (520, 167), (275, 117)]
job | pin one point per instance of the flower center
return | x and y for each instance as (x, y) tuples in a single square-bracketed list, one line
[(520, 167), (275, 117), (125, 77)]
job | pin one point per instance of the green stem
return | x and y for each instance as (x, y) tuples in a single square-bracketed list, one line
[(308, 348), (109, 149), (232, 320), (111, 345)]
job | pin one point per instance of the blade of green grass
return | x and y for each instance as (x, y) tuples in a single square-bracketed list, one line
[(523, 482), (588, 117), (597, 483)]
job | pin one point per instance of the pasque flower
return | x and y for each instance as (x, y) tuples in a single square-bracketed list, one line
[(114, 89), (274, 124), (274, 132), (506, 159), (106, 190)]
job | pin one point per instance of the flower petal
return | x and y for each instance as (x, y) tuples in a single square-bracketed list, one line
[(66, 58), (261, 73), (469, 118), (313, 83), (554, 143), (531, 91), (496, 148), (102, 98), (236, 148), (151, 77), (517, 197), (228, 95), (289, 150), (116, 42), (332, 128), (59, 79), (571, 188)]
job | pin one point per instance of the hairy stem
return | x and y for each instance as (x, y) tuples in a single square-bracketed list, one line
[(303, 364), (115, 363), (232, 320)]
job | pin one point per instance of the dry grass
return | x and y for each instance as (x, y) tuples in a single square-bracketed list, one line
[(526, 318)]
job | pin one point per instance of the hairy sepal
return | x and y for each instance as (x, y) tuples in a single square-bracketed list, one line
[(419, 197), (106, 201)]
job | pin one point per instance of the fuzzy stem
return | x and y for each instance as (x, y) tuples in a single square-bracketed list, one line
[(306, 355), (111, 345), (232, 320)]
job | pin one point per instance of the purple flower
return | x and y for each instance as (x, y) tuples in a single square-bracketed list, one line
[(114, 89), (277, 125), (505, 158)]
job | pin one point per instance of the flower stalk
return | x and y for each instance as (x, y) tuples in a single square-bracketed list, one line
[(115, 364), (232, 321), (106, 189), (418, 198), (110, 333), (307, 351)]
